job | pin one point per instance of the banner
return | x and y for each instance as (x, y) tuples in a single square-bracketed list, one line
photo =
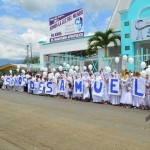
[(40, 87), (49, 88), (20, 80), (97, 88), (141, 29), (24, 81), (7, 80), (12, 83), (113, 88), (139, 87), (62, 86), (78, 87), (67, 26), (16, 81), (31, 85)]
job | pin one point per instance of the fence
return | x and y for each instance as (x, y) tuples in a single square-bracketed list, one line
[(97, 62)]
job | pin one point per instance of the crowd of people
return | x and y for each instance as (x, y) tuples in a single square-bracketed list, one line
[(125, 98)]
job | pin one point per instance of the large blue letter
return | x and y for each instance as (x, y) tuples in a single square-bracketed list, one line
[(12, 81), (112, 85), (49, 88), (136, 89), (62, 85), (78, 86), (24, 80), (16, 81), (41, 87), (20, 80), (98, 90), (31, 85), (8, 81)]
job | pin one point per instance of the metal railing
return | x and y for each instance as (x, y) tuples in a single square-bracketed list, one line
[(97, 63)]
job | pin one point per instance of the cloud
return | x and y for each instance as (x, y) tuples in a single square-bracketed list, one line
[(107, 20), (11, 51), (15, 34), (45, 5), (89, 34), (36, 5), (99, 5)]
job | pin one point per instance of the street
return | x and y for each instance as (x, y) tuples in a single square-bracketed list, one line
[(30, 122)]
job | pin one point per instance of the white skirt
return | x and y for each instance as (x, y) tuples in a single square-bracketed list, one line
[(106, 95), (86, 93), (114, 99), (136, 101), (96, 99)]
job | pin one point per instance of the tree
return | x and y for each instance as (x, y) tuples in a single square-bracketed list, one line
[(102, 39), (35, 60)]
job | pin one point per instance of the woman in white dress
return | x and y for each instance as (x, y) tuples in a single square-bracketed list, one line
[(147, 95), (106, 97), (136, 100), (86, 84), (126, 86), (3, 78), (96, 98), (114, 99), (55, 85), (78, 96), (36, 85)]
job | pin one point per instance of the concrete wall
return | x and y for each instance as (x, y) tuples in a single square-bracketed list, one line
[(62, 47)]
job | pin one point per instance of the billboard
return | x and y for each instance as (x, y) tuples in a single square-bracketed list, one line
[(141, 29), (67, 26)]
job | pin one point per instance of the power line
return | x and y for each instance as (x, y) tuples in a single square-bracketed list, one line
[(12, 38), (12, 42), (89, 17)]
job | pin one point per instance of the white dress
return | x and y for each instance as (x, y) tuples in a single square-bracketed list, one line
[(114, 99), (55, 85), (78, 95), (106, 96), (147, 97), (17, 83), (8, 85), (36, 87), (4, 83), (136, 100), (86, 93), (126, 96), (96, 98)]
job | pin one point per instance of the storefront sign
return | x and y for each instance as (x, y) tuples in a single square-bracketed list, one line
[(141, 29)]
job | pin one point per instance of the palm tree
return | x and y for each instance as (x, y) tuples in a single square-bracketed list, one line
[(102, 39)]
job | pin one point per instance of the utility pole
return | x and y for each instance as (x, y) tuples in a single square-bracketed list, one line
[(31, 51), (27, 57)]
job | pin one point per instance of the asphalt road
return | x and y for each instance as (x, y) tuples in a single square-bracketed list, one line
[(30, 122)]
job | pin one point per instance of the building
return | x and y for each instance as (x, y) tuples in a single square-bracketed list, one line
[(131, 19), (6, 68)]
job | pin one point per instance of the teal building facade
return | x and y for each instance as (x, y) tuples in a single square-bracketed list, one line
[(135, 31)]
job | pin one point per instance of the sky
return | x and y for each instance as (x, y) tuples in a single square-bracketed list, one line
[(27, 21)]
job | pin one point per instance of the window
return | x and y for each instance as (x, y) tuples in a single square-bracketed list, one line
[(127, 47), (126, 23), (127, 35)]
